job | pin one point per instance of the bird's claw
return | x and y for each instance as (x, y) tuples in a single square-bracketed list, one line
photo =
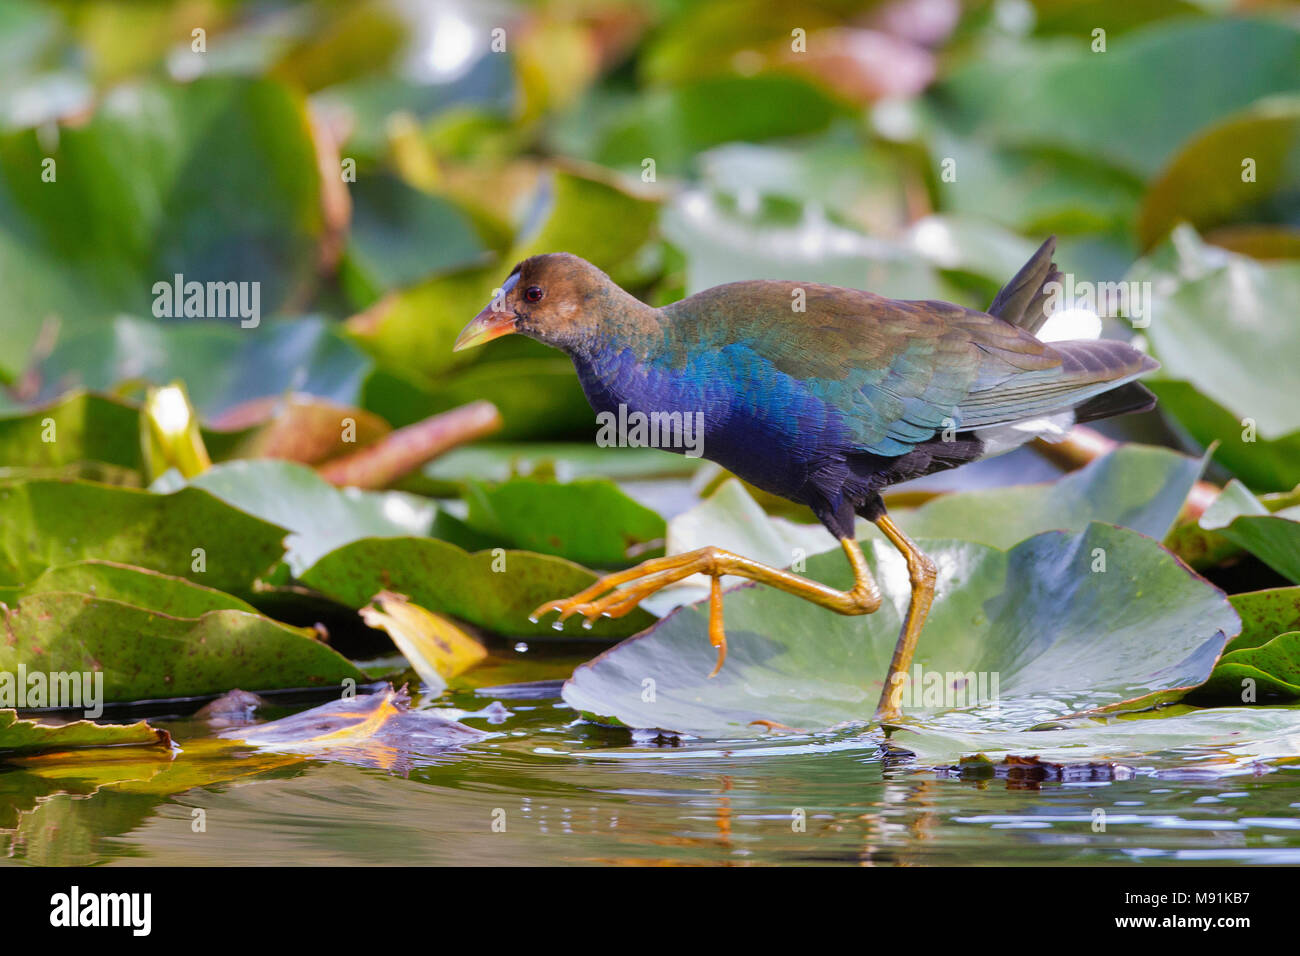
[(614, 604)]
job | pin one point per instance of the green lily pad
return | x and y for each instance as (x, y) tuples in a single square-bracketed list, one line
[(215, 180), (1204, 183), (22, 737), (319, 516), (1224, 740), (1241, 518), (1037, 631), (1264, 615), (1265, 464), (190, 534), (1038, 190), (400, 235), (221, 365), (1220, 321), (1138, 486), (145, 655), (674, 125), (562, 461), (495, 590), (590, 521), (537, 397), (724, 244), (165, 593), (1270, 671), (79, 427), (1014, 94)]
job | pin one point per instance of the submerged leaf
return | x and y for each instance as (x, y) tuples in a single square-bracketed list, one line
[(377, 730)]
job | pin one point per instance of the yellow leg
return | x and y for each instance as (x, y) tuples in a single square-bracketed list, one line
[(921, 571), (650, 576), (617, 594)]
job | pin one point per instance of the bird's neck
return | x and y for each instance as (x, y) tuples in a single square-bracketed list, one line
[(616, 362)]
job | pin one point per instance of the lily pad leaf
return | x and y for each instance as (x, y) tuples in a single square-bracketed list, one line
[(590, 521), (1264, 615), (79, 427), (320, 516), (1224, 740), (1221, 321), (25, 737), (174, 596), (1138, 486), (1241, 518), (145, 655), (1270, 671), (1014, 96), (1026, 634), (189, 533), (1206, 185), (495, 590), (214, 180)]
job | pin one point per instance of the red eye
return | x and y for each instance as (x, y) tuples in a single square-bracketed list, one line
[(534, 293)]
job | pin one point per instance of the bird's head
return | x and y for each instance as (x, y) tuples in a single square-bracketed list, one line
[(557, 298)]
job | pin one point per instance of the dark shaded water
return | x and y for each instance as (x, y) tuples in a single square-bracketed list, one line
[(546, 789)]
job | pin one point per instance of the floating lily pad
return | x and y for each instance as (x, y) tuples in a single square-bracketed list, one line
[(214, 180), (320, 516), (589, 521), (1270, 671), (495, 590), (147, 655), (1207, 186), (176, 597), (1241, 518), (26, 737), (190, 533), (1224, 740), (79, 427), (1056, 633), (1015, 96), (1264, 615), (222, 365), (400, 235)]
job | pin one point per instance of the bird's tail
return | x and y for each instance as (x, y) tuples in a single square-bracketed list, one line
[(1023, 300)]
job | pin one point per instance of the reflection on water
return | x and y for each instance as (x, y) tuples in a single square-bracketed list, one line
[(545, 789)]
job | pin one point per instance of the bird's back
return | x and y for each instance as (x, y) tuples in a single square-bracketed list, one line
[(890, 372)]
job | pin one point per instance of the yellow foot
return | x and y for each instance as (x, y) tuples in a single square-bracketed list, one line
[(616, 594)]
